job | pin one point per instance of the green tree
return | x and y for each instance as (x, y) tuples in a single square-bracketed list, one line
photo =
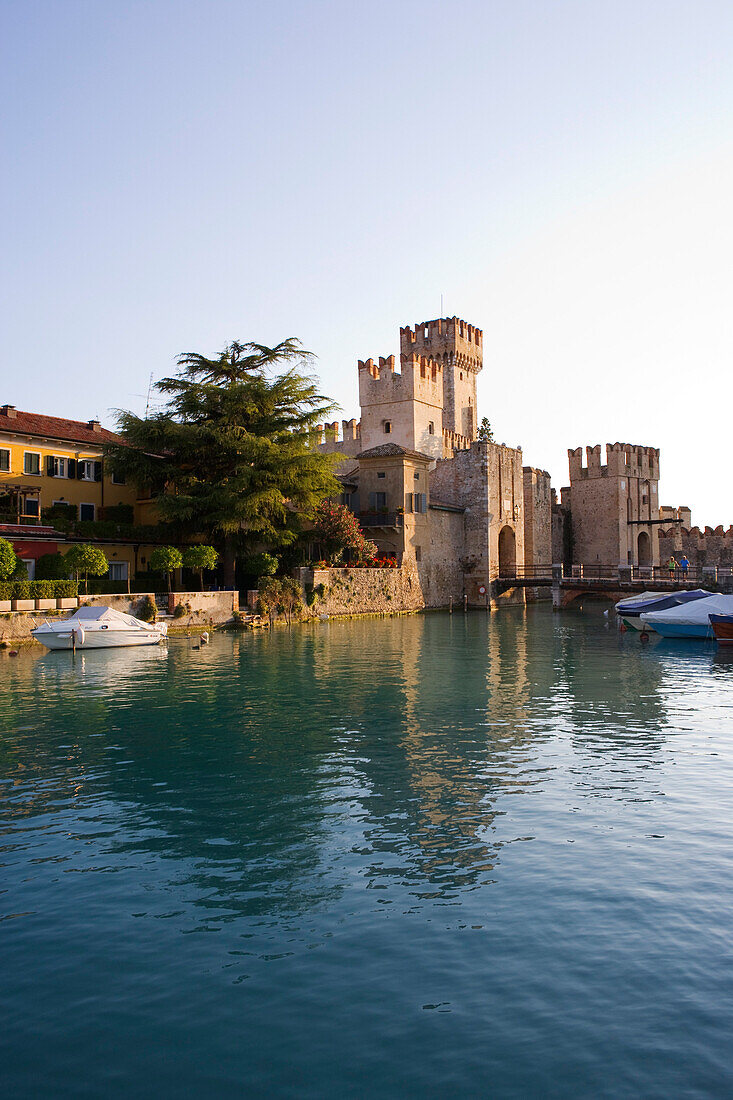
[(87, 559), (164, 559), (200, 557), (233, 450), (485, 431), (260, 565), (290, 597), (8, 559)]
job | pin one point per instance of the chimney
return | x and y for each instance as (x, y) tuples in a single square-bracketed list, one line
[(95, 425), (9, 411)]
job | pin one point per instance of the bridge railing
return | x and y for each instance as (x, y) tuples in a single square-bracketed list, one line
[(702, 576), (524, 572)]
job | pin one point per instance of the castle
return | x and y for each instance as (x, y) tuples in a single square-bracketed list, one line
[(426, 489)]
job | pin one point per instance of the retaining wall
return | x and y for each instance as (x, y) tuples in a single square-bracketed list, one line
[(364, 591)]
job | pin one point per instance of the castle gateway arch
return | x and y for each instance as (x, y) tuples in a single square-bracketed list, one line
[(507, 552)]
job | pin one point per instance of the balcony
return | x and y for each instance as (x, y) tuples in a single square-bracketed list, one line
[(392, 520)]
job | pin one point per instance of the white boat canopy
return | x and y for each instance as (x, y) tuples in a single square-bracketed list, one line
[(694, 613), (105, 616)]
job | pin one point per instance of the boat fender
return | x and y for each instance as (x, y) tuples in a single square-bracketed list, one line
[(79, 635), (643, 637)]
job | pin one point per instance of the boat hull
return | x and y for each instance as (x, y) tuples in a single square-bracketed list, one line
[(635, 622), (98, 639), (683, 630), (723, 630)]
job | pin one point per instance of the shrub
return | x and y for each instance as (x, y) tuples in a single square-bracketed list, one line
[(8, 559), (119, 513), (179, 611), (260, 565), (65, 589), (42, 590), (21, 590), (50, 567), (6, 590), (148, 611)]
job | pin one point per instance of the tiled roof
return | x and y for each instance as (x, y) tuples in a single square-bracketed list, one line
[(388, 450), (54, 427)]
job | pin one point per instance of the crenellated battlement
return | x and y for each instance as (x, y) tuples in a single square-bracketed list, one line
[(622, 460), (420, 378), (442, 329)]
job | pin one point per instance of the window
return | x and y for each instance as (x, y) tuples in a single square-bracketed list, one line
[(60, 467), (85, 469), (118, 479), (460, 373), (345, 499), (4, 460), (623, 483), (118, 570), (416, 475), (431, 428), (86, 511), (378, 500), (387, 427), (31, 507), (421, 502), (381, 475), (418, 553), (31, 463)]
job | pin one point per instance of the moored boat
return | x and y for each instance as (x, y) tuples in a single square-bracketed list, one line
[(633, 610), (99, 628), (690, 620), (722, 628)]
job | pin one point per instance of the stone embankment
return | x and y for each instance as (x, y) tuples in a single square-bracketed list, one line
[(342, 591), (201, 610)]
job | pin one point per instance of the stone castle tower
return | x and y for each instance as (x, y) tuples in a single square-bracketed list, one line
[(614, 507), (429, 404)]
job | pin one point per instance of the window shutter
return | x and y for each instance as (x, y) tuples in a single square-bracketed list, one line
[(71, 467), (49, 465), (372, 500), (423, 502), (97, 471), (79, 469)]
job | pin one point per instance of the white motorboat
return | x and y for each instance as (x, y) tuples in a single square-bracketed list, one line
[(99, 628)]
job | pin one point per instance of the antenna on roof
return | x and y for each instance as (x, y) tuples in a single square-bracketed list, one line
[(147, 403)]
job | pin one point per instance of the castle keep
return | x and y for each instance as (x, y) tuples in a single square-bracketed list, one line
[(425, 488)]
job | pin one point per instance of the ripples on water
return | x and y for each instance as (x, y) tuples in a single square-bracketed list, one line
[(426, 856)]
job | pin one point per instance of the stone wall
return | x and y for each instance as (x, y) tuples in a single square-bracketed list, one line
[(440, 566), (205, 607), (711, 547), (364, 591), (537, 517)]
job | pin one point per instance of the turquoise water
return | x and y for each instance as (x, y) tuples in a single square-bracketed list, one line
[(429, 856)]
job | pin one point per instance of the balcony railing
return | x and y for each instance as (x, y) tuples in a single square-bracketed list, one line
[(381, 519)]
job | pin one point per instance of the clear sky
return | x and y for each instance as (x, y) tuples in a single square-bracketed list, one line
[(176, 175)]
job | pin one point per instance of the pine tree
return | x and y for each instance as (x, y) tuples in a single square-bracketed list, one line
[(233, 449)]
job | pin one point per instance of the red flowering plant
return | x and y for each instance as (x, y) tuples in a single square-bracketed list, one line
[(337, 531)]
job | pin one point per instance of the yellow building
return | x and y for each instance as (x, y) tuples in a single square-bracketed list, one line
[(46, 461)]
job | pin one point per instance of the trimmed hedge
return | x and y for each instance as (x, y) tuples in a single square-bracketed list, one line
[(37, 590)]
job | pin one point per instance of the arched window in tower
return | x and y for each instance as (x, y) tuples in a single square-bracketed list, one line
[(387, 427), (431, 428)]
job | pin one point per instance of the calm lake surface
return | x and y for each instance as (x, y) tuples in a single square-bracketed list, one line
[(429, 856)]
